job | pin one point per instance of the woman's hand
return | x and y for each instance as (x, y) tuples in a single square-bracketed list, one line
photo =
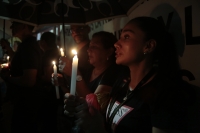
[(57, 80), (65, 66)]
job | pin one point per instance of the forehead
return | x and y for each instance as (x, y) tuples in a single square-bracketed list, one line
[(132, 28)]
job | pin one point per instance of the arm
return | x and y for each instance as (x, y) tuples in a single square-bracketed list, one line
[(158, 130)]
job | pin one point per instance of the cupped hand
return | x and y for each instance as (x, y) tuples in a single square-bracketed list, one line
[(70, 104)]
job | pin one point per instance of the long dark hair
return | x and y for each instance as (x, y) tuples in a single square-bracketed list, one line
[(165, 55)]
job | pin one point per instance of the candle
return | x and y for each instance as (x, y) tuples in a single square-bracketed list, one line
[(8, 57), (61, 52), (74, 73), (55, 74)]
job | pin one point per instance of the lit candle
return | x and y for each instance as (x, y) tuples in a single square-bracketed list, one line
[(61, 52), (8, 57), (55, 74), (74, 73)]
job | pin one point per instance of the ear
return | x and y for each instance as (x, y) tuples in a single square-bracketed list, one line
[(150, 46)]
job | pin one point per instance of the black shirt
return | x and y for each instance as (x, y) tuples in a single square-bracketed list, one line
[(27, 56), (108, 77), (159, 103)]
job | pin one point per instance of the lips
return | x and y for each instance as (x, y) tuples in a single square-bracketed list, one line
[(117, 54)]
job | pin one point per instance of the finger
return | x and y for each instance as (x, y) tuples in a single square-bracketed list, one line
[(69, 96), (70, 114)]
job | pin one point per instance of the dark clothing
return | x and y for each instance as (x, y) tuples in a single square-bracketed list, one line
[(83, 64), (108, 77), (50, 103), (27, 56), (161, 103), (26, 99), (49, 56)]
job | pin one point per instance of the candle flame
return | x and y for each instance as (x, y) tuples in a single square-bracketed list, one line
[(61, 49), (8, 57), (74, 52), (53, 62)]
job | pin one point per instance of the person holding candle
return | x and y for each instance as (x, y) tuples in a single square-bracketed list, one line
[(50, 93), (80, 34), (100, 79), (81, 38), (154, 99), (23, 80), (51, 53)]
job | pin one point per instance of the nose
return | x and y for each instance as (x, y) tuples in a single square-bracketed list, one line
[(117, 44)]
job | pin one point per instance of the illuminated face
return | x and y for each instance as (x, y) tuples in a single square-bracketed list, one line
[(130, 46), (96, 52), (79, 33)]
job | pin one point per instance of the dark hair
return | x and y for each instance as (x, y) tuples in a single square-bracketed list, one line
[(108, 40), (49, 38), (165, 54)]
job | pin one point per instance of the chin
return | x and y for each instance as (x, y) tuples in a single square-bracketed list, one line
[(118, 62)]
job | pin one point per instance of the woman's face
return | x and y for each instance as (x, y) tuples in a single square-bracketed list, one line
[(96, 52), (130, 47)]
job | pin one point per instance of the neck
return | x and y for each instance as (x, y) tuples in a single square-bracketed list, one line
[(138, 72), (98, 69)]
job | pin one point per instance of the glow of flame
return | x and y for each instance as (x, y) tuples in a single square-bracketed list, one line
[(53, 62), (74, 52)]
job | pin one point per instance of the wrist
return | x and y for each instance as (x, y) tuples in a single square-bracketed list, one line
[(79, 78)]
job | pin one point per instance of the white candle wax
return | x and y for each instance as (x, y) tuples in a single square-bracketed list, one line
[(61, 52), (55, 73), (74, 73)]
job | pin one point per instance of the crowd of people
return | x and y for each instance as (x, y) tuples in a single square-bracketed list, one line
[(130, 85)]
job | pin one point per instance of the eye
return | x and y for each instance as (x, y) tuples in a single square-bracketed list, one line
[(126, 36)]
